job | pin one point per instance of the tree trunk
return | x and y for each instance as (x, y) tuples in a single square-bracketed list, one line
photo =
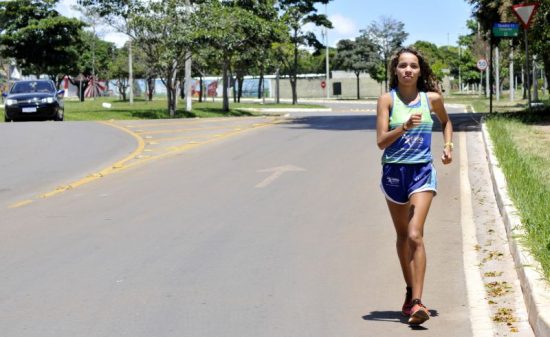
[(172, 89), (261, 84), (200, 88), (82, 89), (546, 64), (150, 88), (240, 92), (358, 94), (293, 87), (294, 74), (225, 107), (234, 87), (168, 96), (121, 86)]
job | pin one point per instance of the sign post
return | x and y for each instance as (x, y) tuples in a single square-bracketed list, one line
[(525, 12), (481, 66)]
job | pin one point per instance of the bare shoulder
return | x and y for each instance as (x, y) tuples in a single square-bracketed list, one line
[(384, 100), (435, 97)]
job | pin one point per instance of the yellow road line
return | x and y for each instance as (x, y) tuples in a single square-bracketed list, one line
[(137, 154), (117, 166), (181, 148), (194, 121), (157, 132), (21, 203), (165, 139)]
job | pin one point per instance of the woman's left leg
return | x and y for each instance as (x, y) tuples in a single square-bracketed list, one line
[(419, 206)]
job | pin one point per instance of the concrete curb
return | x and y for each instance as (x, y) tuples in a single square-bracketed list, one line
[(536, 291)]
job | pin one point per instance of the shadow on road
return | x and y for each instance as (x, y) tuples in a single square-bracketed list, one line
[(396, 317), (461, 122)]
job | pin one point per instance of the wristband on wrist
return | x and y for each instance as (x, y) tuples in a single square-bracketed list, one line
[(449, 145)]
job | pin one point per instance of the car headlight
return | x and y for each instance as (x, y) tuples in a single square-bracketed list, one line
[(10, 101), (47, 100)]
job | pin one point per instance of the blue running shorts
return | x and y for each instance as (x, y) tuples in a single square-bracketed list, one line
[(400, 181)]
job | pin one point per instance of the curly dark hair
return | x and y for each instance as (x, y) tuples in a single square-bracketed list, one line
[(426, 81)]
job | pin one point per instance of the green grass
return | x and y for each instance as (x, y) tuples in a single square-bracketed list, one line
[(523, 150), (481, 104), (92, 109), (522, 146)]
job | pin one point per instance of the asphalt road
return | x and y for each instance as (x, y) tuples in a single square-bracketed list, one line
[(37, 157), (276, 231)]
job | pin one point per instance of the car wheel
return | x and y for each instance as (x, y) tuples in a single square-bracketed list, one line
[(6, 119), (60, 116)]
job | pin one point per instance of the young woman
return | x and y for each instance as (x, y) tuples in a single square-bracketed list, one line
[(404, 132)]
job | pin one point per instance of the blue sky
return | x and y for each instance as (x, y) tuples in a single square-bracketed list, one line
[(436, 21)]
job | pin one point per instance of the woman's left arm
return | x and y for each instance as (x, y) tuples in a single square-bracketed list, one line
[(436, 101)]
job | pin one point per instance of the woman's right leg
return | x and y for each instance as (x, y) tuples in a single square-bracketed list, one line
[(400, 215)]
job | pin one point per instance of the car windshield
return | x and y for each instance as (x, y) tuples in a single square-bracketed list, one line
[(32, 86)]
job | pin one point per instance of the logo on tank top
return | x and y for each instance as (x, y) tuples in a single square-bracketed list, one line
[(413, 140)]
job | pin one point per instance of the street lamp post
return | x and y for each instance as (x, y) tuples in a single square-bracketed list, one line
[(459, 70), (326, 59)]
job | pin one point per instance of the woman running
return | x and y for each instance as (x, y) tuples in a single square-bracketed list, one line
[(404, 132)]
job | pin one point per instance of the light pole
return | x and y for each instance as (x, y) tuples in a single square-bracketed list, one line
[(188, 91), (327, 81), (459, 69), (93, 61)]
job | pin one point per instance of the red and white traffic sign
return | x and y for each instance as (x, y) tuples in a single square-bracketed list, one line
[(481, 64), (525, 13), (323, 84)]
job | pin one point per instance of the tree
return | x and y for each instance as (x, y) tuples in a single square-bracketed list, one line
[(96, 56), (39, 38), (539, 34), (116, 14), (488, 12), (118, 70), (387, 35), (356, 56), (297, 13), (230, 30), (164, 31)]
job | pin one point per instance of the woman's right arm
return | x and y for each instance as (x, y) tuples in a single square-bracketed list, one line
[(385, 137)]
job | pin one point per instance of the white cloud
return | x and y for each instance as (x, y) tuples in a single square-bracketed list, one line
[(343, 25), (118, 39), (66, 8)]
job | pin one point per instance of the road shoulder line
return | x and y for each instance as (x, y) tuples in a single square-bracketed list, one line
[(479, 310)]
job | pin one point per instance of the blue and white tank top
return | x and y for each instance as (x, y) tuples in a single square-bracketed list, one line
[(413, 146)]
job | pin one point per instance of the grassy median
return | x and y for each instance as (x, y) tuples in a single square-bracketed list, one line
[(522, 146), (94, 109)]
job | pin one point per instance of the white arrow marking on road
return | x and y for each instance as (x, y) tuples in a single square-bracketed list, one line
[(277, 172)]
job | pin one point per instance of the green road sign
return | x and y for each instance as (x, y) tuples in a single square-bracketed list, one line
[(505, 29)]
